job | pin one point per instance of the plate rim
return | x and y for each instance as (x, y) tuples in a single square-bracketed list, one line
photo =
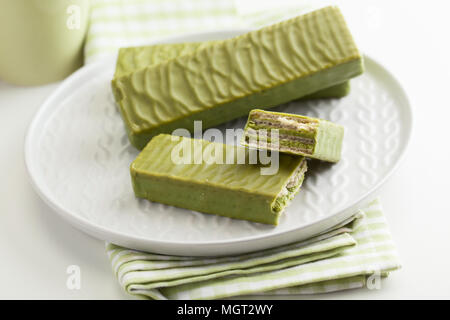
[(197, 248)]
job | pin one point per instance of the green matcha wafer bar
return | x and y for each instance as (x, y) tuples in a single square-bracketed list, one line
[(223, 81), (234, 188), (295, 134), (134, 58)]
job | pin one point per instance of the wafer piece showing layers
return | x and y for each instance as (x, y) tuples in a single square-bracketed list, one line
[(232, 190), (223, 81), (295, 134), (134, 58)]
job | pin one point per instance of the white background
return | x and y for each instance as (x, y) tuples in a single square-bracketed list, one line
[(412, 38)]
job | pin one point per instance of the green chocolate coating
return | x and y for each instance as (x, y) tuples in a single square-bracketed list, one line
[(223, 81), (232, 190), (298, 135), (134, 58)]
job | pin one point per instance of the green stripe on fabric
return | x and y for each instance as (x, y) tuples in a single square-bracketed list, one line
[(269, 281), (321, 287), (269, 261), (331, 261)]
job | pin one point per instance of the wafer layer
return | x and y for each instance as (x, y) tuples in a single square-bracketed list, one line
[(234, 189), (294, 134)]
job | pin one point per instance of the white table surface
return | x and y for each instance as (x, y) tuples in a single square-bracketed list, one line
[(410, 37)]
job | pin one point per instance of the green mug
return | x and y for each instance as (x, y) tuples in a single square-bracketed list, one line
[(41, 41)]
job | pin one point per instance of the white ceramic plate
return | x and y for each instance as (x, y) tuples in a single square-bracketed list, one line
[(78, 158)]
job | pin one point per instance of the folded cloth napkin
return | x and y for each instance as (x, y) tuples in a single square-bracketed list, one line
[(337, 259), (124, 23)]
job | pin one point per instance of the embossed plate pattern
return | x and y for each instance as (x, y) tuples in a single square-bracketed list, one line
[(78, 158)]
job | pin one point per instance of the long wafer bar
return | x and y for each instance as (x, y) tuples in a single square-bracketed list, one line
[(233, 189)]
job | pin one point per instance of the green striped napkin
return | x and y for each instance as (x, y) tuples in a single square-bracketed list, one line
[(338, 259)]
